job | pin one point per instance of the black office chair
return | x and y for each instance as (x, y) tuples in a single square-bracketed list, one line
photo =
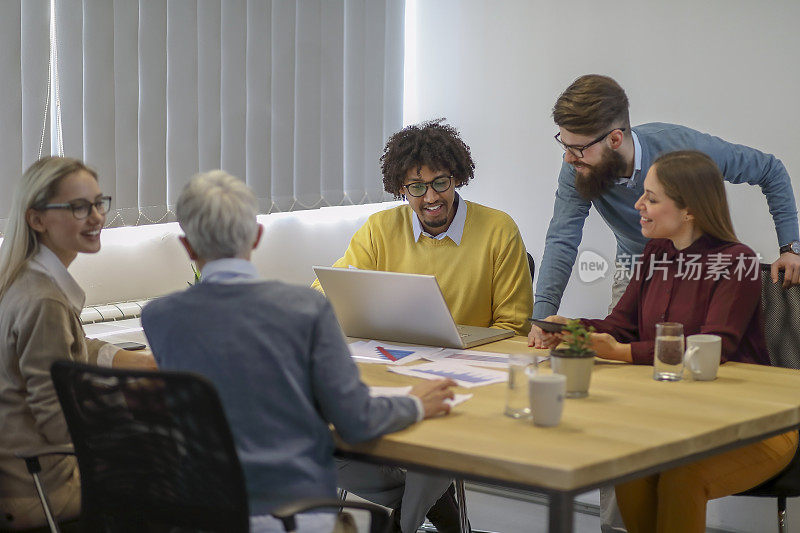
[(531, 265), (156, 454), (781, 312)]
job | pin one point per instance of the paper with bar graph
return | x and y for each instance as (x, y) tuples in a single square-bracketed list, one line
[(471, 357), (474, 357), (464, 375), (387, 353)]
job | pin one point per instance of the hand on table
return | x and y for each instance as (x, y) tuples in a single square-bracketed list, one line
[(607, 347), (433, 394), (790, 264), (542, 339), (140, 360)]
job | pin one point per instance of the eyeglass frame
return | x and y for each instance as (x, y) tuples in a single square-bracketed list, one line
[(571, 148), (88, 205), (429, 184)]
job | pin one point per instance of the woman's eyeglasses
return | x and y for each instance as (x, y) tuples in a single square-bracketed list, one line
[(81, 208)]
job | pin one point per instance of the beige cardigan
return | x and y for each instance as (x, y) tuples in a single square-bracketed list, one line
[(37, 327)]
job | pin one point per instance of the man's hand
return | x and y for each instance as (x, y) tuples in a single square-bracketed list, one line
[(433, 394), (140, 360), (790, 264), (541, 339)]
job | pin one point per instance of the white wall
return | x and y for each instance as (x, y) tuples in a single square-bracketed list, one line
[(495, 68)]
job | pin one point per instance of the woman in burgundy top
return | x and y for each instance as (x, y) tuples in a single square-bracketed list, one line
[(693, 271), (710, 286)]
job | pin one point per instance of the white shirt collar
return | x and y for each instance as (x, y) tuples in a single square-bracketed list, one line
[(229, 270), (456, 229), (637, 163), (48, 263)]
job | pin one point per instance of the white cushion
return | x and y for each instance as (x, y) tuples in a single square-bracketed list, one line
[(136, 263)]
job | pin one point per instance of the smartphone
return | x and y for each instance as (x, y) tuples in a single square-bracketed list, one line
[(130, 345), (550, 327)]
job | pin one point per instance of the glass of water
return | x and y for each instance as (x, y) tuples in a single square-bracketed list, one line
[(520, 367), (668, 361)]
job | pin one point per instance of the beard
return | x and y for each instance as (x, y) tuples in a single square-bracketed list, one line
[(600, 177)]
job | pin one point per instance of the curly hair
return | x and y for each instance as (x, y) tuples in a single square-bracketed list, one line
[(432, 144)]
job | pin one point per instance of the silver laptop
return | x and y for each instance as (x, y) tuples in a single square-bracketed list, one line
[(392, 306)]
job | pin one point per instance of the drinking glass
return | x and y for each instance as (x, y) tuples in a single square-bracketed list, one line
[(668, 361), (520, 367)]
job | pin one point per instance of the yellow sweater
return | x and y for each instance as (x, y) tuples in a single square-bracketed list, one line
[(485, 280)]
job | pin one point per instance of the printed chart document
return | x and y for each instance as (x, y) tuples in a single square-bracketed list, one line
[(471, 357), (474, 358), (387, 353), (403, 391), (464, 375)]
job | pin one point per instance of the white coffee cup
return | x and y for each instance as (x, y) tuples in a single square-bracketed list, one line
[(547, 393), (702, 356)]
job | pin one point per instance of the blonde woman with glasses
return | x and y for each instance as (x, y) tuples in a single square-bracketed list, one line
[(57, 212)]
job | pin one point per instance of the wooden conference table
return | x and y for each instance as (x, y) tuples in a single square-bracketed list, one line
[(628, 426)]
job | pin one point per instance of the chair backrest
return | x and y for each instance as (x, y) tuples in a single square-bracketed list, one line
[(531, 266), (781, 312), (154, 449)]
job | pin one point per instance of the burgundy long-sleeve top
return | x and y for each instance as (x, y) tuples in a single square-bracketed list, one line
[(712, 286)]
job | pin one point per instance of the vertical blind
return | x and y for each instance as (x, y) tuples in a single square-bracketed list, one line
[(294, 97), (24, 53)]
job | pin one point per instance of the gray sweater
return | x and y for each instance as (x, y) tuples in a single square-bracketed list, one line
[(278, 359)]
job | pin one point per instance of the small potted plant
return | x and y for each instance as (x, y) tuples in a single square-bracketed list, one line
[(576, 360), (196, 276)]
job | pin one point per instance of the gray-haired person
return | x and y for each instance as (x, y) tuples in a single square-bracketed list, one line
[(276, 355)]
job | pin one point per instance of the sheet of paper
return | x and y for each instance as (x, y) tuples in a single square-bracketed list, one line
[(387, 353), (474, 357), (464, 375), (389, 391), (403, 391), (117, 331)]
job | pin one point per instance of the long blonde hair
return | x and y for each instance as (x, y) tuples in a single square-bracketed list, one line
[(38, 186)]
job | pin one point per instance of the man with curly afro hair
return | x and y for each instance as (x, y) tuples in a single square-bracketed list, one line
[(479, 260)]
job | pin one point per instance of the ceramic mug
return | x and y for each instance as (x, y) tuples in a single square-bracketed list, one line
[(703, 355)]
